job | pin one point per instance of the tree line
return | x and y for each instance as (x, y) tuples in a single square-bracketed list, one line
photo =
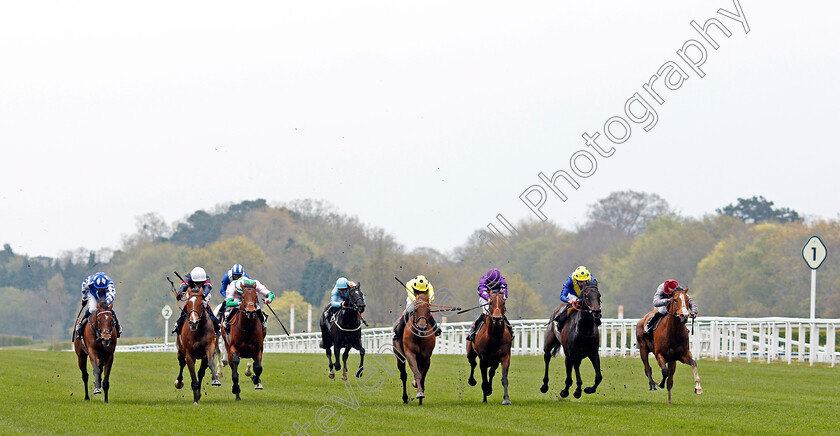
[(744, 260)]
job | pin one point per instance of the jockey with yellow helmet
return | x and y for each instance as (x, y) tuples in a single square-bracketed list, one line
[(414, 287), (572, 289)]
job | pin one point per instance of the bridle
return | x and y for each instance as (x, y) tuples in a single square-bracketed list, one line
[(357, 295), (489, 313), (100, 332), (672, 300)]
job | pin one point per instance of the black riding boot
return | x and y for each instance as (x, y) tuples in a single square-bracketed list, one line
[(216, 323), (509, 327), (398, 331), (561, 318), (263, 319), (474, 329), (649, 327), (81, 324), (117, 323), (228, 316), (180, 322), (435, 326)]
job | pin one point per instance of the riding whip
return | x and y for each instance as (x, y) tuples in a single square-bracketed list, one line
[(278, 319)]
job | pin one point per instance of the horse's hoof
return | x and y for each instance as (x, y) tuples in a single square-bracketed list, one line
[(224, 362), (195, 403), (564, 393), (344, 376), (359, 373), (698, 391), (653, 387), (544, 388), (331, 374), (506, 402), (238, 399), (258, 386), (216, 383), (472, 382), (405, 399), (420, 395), (577, 393), (97, 391), (414, 383), (589, 390), (179, 384)]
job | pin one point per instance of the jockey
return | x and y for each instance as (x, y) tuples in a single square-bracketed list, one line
[(234, 298), (414, 287), (197, 278), (493, 281), (233, 274), (96, 288), (660, 302), (572, 289), (338, 296)]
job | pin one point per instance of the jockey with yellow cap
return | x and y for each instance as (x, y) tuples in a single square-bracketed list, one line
[(414, 287), (572, 289)]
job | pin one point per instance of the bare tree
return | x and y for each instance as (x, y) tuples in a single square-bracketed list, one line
[(629, 211)]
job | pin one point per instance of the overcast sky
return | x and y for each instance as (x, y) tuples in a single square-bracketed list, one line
[(424, 118)]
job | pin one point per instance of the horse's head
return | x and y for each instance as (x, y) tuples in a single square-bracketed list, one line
[(195, 307), (496, 307), (421, 314), (591, 300), (104, 323), (250, 303), (356, 299), (678, 306)]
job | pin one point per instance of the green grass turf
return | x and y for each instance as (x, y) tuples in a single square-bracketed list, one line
[(43, 394)]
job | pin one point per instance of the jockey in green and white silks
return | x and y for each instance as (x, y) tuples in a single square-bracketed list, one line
[(233, 297)]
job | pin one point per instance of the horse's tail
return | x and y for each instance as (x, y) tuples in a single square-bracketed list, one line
[(555, 349)]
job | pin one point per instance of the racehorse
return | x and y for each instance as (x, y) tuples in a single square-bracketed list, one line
[(416, 346), (579, 339), (345, 332), (196, 341), (246, 337), (492, 347), (670, 342), (98, 342)]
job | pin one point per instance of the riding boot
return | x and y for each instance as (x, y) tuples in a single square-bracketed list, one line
[(474, 329), (398, 331), (180, 322), (216, 322), (263, 319), (435, 326), (228, 316), (81, 323), (561, 318), (509, 327), (117, 324), (652, 322)]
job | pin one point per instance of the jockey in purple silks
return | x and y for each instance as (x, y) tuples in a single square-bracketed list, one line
[(493, 281)]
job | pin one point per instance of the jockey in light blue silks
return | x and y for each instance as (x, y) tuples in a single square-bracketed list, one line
[(338, 296), (493, 281), (96, 288)]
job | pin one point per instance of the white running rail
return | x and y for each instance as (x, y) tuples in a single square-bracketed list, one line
[(753, 339)]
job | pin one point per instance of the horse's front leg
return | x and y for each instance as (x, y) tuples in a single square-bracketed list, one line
[(82, 358), (565, 392), (418, 374), (328, 350), (106, 375), (579, 381), (233, 359), (596, 364), (210, 356), (361, 359), (344, 360), (688, 360), (660, 359), (484, 383), (643, 353), (97, 374), (195, 384), (505, 367), (471, 356), (424, 369), (403, 376), (182, 361), (672, 367), (258, 369), (337, 353), (547, 351)]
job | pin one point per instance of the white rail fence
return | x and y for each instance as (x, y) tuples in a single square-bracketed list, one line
[(753, 339)]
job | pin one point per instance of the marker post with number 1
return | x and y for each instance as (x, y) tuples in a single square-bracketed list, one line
[(814, 253)]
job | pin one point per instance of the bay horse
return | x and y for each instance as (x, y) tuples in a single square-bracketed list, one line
[(98, 342), (196, 341), (345, 331), (416, 346), (492, 347), (245, 340), (670, 342), (579, 339)]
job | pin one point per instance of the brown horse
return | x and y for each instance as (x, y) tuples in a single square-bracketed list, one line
[(492, 347), (246, 337), (196, 341), (669, 344), (579, 339), (416, 346), (98, 342)]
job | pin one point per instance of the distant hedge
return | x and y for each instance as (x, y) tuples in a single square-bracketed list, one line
[(9, 340)]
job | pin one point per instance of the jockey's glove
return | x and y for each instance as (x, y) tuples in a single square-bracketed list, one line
[(231, 303), (270, 297)]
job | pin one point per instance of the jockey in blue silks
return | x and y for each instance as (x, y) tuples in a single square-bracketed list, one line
[(570, 295), (234, 273), (96, 288), (338, 296)]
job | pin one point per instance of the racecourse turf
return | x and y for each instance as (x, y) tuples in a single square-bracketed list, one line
[(43, 394)]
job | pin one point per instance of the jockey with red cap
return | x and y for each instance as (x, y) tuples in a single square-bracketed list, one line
[(660, 302)]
